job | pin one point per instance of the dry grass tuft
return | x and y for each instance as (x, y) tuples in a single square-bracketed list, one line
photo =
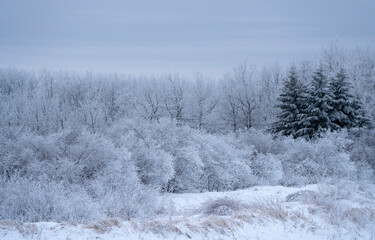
[(193, 228), (9, 224), (270, 208), (244, 216), (219, 224), (105, 225), (360, 216), (24, 228), (161, 227)]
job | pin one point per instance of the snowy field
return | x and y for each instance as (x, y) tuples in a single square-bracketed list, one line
[(342, 211)]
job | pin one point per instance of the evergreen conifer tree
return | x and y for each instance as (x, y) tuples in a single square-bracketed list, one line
[(293, 103), (320, 106), (360, 117), (344, 113), (347, 109)]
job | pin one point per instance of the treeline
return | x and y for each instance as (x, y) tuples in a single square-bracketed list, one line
[(47, 102)]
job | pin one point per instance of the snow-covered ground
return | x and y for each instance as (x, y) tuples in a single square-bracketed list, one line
[(342, 211)]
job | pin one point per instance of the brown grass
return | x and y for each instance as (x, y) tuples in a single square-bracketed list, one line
[(360, 215), (193, 228), (160, 227), (23, 228), (105, 225)]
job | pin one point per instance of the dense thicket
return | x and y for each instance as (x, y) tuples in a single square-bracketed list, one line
[(78, 147)]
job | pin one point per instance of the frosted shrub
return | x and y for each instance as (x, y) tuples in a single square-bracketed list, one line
[(189, 171), (154, 165), (187, 159), (23, 155), (362, 152), (220, 164), (263, 142), (72, 156), (123, 199), (225, 165), (268, 169), (325, 159), (82, 165), (32, 201), (304, 162)]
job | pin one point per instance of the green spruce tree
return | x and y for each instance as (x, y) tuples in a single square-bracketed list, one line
[(343, 114), (347, 109), (320, 106), (293, 103), (360, 117)]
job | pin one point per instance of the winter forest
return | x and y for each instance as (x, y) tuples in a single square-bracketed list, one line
[(83, 147)]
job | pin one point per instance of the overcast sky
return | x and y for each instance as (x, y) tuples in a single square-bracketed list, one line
[(153, 36)]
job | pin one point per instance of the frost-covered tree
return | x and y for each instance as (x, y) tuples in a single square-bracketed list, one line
[(334, 58), (230, 107), (320, 106), (347, 110), (203, 101), (246, 93), (241, 97), (361, 118), (146, 98), (270, 84), (174, 97), (293, 103), (362, 74)]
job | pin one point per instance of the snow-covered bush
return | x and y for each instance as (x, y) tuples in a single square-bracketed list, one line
[(24, 155), (302, 161), (362, 152), (122, 197), (225, 166), (188, 160), (263, 142), (71, 160), (73, 156), (312, 162), (154, 165), (22, 199), (268, 169)]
